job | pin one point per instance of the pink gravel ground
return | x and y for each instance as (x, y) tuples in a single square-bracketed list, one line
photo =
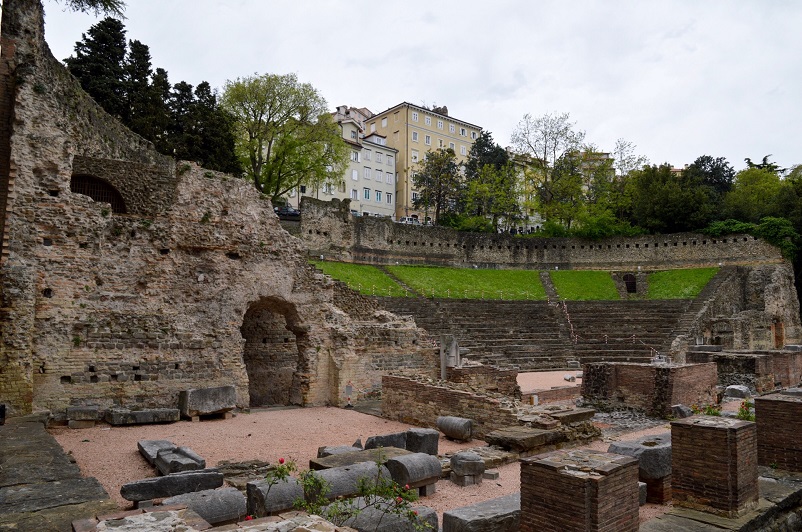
[(110, 453)]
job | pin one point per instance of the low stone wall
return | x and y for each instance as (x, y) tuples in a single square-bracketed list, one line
[(647, 387), (328, 229), (558, 393), (421, 401), (489, 378), (761, 371)]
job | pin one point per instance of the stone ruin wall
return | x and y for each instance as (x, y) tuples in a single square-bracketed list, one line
[(185, 290), (330, 230), (492, 379)]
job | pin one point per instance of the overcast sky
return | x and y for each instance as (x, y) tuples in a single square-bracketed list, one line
[(677, 78)]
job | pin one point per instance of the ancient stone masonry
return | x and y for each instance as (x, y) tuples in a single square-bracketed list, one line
[(779, 424), (329, 229), (129, 277), (760, 370)]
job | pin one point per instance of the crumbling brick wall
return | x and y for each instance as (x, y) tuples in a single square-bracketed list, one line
[(489, 378)]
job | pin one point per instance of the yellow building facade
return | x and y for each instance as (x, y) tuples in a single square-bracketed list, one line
[(413, 131)]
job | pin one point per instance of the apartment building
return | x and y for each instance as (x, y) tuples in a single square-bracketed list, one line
[(414, 130), (370, 179)]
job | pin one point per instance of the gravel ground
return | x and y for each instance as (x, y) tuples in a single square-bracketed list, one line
[(110, 453)]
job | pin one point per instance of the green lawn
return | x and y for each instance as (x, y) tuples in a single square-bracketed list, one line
[(580, 285), (679, 284), (471, 284), (365, 279)]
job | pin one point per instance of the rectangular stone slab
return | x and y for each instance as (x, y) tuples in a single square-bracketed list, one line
[(171, 485), (574, 416), (150, 449), (120, 416), (205, 401), (178, 460), (518, 438), (346, 459), (496, 515)]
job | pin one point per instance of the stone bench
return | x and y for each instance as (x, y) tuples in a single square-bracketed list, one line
[(496, 515)]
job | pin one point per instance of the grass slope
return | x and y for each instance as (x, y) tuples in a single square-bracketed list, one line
[(581, 285), (679, 284), (471, 284), (365, 279)]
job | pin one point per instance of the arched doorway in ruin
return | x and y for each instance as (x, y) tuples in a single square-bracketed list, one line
[(273, 353)]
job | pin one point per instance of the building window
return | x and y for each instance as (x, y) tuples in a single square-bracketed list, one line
[(414, 196), (384, 122), (389, 178), (463, 150), (378, 196), (428, 120), (389, 198), (303, 189), (327, 188), (354, 193), (355, 156), (463, 132), (474, 135), (353, 133), (379, 175), (366, 193), (439, 124), (414, 156), (395, 136), (414, 136), (395, 116), (373, 127), (441, 142), (355, 175), (452, 128), (414, 116), (341, 186), (367, 155), (428, 140), (378, 156), (389, 160), (367, 173), (451, 145)]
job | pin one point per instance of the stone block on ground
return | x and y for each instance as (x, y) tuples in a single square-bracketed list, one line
[(575, 415), (330, 450), (490, 474), (345, 481), (170, 485), (178, 460), (80, 424), (264, 499), (653, 454), (214, 506), (792, 391), (455, 428), (416, 469), (496, 515), (398, 439), (681, 411), (521, 439), (382, 519), (149, 449), (121, 416), (83, 413), (423, 441), (738, 391), (354, 457), (206, 401)]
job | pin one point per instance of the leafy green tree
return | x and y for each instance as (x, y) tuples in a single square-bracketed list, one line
[(755, 194), (97, 7), (715, 173), (99, 64), (765, 165), (438, 180), (284, 134), (494, 192)]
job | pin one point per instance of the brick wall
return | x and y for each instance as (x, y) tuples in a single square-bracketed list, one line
[(714, 464), (559, 393), (420, 402), (761, 371), (489, 378), (579, 491), (779, 426)]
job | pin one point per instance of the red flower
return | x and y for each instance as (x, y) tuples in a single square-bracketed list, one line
[(249, 518), (415, 512), (406, 486), (280, 460), (398, 500)]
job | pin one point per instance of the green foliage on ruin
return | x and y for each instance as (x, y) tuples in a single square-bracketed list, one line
[(463, 283), (362, 278), (580, 285), (679, 284)]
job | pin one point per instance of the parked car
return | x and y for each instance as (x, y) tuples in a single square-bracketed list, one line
[(285, 211), (408, 220)]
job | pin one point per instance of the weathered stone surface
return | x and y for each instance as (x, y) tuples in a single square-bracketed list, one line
[(205, 401), (575, 415), (423, 441), (467, 463), (653, 454), (490, 474), (792, 391), (456, 428), (264, 499), (29, 455), (177, 460), (329, 450), (642, 493), (681, 411), (737, 390), (416, 469), (121, 416), (170, 485), (355, 457), (344, 481), (35, 497), (520, 438), (398, 439), (83, 413), (383, 520), (155, 518), (215, 506), (149, 449), (465, 480), (496, 515)]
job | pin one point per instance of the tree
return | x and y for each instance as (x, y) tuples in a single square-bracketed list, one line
[(494, 193), (716, 173), (437, 179), (284, 134), (97, 7), (755, 194), (765, 165), (99, 65)]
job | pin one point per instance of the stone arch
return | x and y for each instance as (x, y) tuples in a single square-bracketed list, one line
[(631, 283), (273, 353), (99, 190)]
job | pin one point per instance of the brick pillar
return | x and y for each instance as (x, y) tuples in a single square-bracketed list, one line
[(714, 464), (579, 490), (779, 427)]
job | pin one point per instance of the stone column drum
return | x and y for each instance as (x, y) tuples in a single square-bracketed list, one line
[(579, 490), (714, 464)]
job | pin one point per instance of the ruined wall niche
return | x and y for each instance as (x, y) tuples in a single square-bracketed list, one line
[(330, 230)]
